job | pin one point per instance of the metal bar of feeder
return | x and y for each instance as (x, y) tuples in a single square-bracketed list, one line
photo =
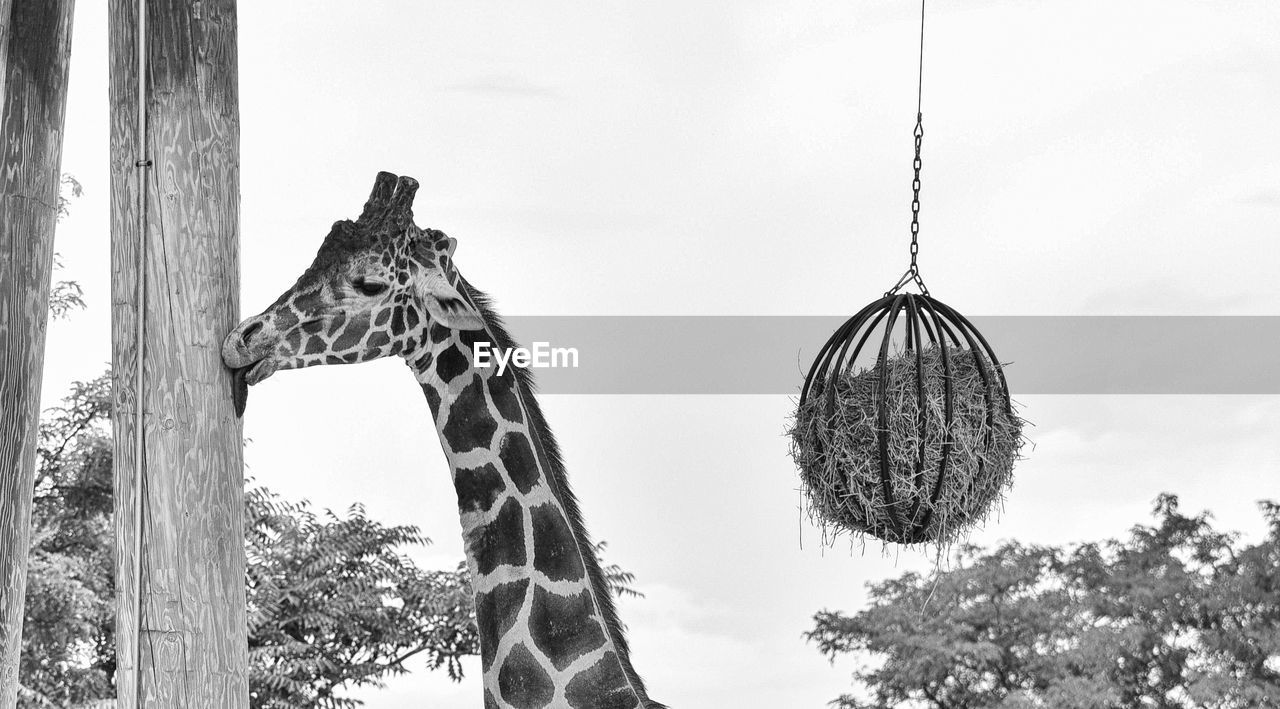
[(882, 417), (922, 420), (949, 409)]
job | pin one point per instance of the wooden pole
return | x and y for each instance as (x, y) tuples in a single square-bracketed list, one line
[(34, 92), (189, 647)]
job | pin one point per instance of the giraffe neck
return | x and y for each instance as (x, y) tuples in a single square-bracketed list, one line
[(548, 636)]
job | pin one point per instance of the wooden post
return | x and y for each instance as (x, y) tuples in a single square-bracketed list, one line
[(34, 91), (189, 648)]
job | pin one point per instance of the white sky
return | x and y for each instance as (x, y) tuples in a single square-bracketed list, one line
[(1081, 157)]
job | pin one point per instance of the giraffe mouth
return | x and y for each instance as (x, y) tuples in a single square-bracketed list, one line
[(255, 372)]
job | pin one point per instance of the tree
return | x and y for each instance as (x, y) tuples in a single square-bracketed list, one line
[(1176, 615), (333, 602)]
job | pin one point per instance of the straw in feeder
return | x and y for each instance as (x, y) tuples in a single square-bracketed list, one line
[(942, 467)]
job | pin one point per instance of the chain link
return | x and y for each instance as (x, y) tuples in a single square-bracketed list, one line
[(915, 205), (913, 272)]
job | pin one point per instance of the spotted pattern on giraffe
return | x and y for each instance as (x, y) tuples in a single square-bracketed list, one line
[(286, 319), (478, 488), (433, 400), (451, 363), (522, 681), (601, 686), (308, 301), (337, 323), (379, 338), (353, 334), (564, 628), (439, 333), (555, 551), (497, 612), (470, 426), (517, 457), (501, 541), (469, 338), (505, 400)]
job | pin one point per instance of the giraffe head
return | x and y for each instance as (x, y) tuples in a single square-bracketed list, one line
[(374, 288)]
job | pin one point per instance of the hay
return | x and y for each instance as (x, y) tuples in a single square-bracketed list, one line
[(838, 451)]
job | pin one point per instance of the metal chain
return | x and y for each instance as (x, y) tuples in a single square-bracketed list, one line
[(915, 206), (913, 272)]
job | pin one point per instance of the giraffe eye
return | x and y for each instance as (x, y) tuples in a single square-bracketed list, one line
[(369, 287)]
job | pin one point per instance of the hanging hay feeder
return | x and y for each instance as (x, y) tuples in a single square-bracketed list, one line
[(918, 447), (913, 439)]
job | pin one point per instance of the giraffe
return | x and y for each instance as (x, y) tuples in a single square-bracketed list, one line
[(381, 286)]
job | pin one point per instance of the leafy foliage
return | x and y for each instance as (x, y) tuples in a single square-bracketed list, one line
[(1177, 615), (333, 603), (619, 580), (68, 656), (65, 296), (68, 187)]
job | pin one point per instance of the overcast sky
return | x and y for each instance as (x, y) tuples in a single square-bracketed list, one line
[(1081, 157)]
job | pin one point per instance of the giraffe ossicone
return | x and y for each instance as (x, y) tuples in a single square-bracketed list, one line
[(381, 286)]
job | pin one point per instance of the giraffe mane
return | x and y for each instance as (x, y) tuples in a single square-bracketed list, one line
[(547, 448)]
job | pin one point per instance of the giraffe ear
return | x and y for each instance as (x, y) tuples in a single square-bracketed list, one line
[(449, 308)]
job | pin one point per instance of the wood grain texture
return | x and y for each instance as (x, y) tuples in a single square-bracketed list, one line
[(193, 639), (6, 6), (38, 34)]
